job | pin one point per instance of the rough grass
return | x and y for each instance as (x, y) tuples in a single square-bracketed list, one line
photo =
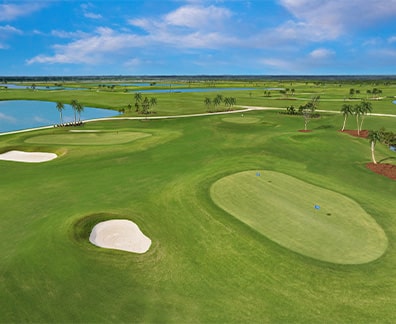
[(302, 217)]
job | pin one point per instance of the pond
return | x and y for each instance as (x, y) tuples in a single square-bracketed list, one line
[(18, 86), (25, 114)]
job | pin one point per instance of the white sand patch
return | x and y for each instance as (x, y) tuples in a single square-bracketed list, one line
[(31, 157), (120, 234)]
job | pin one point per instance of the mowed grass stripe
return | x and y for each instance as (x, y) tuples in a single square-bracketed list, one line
[(282, 208), (85, 138)]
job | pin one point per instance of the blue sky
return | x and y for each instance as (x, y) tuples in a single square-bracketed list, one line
[(179, 37)]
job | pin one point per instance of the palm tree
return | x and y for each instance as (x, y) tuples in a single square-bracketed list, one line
[(227, 102), (374, 137), (145, 106), (365, 108), (138, 100), (74, 104), (346, 110), (60, 106), (217, 100), (138, 97), (153, 101), (232, 102), (207, 102), (79, 109), (357, 111)]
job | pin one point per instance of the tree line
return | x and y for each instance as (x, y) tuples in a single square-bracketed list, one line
[(358, 110), (77, 107), (229, 102)]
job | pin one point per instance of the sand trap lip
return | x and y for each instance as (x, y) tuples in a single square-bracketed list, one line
[(120, 234), (30, 157)]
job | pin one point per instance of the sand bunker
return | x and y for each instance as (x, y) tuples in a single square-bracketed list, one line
[(120, 234), (30, 157)]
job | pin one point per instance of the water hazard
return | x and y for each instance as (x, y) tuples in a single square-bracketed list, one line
[(25, 114)]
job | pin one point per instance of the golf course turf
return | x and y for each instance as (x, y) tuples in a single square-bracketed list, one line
[(304, 218), (88, 138), (192, 187)]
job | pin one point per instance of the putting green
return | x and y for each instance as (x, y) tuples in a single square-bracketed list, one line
[(88, 138), (282, 208), (241, 120)]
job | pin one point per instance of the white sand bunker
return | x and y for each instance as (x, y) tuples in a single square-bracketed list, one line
[(120, 234), (31, 157)]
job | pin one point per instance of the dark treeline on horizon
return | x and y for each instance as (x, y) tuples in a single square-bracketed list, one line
[(86, 78)]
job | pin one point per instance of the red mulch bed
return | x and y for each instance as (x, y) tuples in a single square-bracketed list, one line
[(363, 133), (385, 169)]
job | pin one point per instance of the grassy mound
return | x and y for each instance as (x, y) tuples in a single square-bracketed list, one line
[(88, 138), (307, 219)]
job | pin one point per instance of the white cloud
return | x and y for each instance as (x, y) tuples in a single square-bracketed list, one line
[(198, 17), (332, 18), (392, 39), (6, 32), (189, 26), (133, 62), (92, 15), (9, 12), (9, 29), (321, 53), (90, 49), (87, 11), (66, 34)]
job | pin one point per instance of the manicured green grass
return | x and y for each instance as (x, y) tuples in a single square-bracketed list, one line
[(241, 120), (204, 265), (87, 138), (310, 220)]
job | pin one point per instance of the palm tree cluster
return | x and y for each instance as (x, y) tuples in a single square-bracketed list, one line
[(358, 110), (285, 92), (143, 105), (77, 107), (229, 102), (375, 92), (381, 136)]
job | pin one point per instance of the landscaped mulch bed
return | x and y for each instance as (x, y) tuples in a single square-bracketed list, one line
[(385, 169)]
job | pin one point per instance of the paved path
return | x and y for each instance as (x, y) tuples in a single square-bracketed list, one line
[(242, 110)]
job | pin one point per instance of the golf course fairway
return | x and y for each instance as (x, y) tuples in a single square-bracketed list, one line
[(304, 218), (85, 138)]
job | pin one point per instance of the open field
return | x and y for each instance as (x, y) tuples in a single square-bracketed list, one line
[(204, 264), (332, 95)]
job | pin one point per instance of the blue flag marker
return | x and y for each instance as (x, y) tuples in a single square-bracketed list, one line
[(258, 174), (317, 207)]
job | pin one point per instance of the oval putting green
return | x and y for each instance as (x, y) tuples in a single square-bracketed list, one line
[(304, 218), (87, 138)]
